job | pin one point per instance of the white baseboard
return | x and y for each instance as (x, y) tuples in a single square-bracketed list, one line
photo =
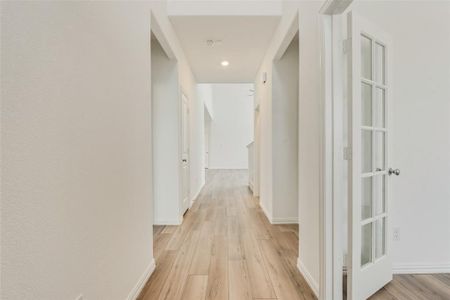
[(197, 194), (421, 268), (309, 279), (292, 220), (266, 212), (169, 222), (228, 168), (272, 220), (142, 281), (416, 268)]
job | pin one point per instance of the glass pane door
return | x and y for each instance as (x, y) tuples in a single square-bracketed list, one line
[(373, 150), (370, 264)]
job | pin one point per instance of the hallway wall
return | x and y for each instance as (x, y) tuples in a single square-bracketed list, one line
[(196, 137), (231, 129), (204, 91), (76, 205), (309, 131), (76, 192)]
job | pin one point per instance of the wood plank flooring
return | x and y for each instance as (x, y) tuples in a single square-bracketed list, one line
[(416, 287), (226, 250)]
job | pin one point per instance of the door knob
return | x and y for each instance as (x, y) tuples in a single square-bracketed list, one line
[(184, 160), (392, 171)]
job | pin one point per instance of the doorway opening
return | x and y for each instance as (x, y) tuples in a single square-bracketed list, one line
[(228, 124), (228, 230), (285, 134), (170, 145)]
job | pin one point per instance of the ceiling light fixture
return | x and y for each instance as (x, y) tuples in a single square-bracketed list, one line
[(225, 63)]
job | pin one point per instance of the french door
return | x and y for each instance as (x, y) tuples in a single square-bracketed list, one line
[(370, 86)]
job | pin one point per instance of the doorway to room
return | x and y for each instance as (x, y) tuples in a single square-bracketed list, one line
[(170, 135)]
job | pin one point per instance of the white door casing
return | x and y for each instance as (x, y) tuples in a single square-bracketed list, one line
[(369, 219), (185, 203)]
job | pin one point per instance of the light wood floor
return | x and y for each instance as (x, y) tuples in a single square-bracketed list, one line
[(416, 287), (226, 249)]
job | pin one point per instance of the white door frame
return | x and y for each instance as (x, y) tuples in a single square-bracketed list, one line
[(332, 151)]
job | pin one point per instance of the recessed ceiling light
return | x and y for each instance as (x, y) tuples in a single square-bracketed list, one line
[(225, 63)]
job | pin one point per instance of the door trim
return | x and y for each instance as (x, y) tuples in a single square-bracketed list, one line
[(332, 167)]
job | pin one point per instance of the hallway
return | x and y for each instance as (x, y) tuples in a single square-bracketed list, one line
[(226, 249)]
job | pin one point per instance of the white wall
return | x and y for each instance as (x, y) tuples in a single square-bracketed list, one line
[(285, 135), (204, 91), (207, 128), (166, 142), (76, 150), (421, 129), (196, 127), (196, 143), (309, 130), (225, 8), (256, 149), (309, 142), (231, 129), (204, 95), (263, 96), (76, 192)]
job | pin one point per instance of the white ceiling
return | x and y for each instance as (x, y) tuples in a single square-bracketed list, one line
[(244, 41)]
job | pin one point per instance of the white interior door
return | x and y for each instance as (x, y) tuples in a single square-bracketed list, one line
[(185, 153), (370, 266)]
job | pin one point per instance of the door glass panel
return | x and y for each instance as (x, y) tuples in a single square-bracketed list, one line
[(366, 57), (379, 151), (366, 104), (379, 63), (366, 195), (379, 108), (379, 194), (366, 244), (366, 151), (380, 237)]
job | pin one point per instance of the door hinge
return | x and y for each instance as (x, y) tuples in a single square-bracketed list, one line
[(346, 45), (347, 153)]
